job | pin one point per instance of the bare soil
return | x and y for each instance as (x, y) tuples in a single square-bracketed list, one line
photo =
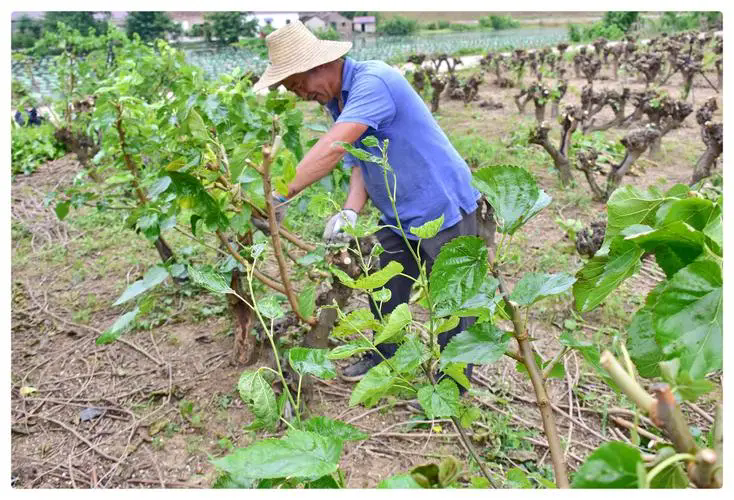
[(65, 276)]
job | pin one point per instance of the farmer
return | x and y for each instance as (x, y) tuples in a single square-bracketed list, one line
[(370, 98)]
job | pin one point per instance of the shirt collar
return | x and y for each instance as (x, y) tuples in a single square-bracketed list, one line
[(347, 75)]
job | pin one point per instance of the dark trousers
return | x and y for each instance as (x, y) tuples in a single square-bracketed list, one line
[(400, 286)]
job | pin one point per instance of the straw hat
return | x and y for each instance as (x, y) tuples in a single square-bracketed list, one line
[(294, 49)]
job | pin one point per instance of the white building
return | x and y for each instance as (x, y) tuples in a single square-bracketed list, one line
[(364, 24)]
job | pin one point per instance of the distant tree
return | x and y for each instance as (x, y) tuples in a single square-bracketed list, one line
[(28, 26), (398, 26), (150, 25), (26, 34), (624, 20), (328, 34), (227, 27), (80, 20)]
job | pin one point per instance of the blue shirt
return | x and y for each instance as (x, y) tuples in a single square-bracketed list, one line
[(432, 178)]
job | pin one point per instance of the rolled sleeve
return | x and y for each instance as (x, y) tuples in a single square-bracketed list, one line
[(350, 161), (369, 103)]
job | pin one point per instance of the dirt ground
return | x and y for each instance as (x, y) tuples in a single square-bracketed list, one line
[(111, 416)]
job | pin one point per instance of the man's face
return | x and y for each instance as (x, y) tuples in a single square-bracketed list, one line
[(311, 85)]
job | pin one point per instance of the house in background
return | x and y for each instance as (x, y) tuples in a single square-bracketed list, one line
[(275, 19), (325, 20), (364, 24), (187, 18)]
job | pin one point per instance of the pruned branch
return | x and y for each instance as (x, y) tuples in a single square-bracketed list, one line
[(269, 154), (536, 377), (665, 413)]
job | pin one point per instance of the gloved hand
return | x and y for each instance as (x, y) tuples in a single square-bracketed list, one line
[(334, 231), (280, 204)]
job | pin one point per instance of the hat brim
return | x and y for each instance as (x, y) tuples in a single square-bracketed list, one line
[(323, 52)]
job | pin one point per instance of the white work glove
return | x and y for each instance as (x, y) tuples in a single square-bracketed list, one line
[(334, 231), (280, 204)]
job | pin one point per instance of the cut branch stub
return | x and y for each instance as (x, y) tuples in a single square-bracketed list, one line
[(706, 112), (539, 134), (587, 159), (590, 239), (638, 140), (417, 59), (599, 45)]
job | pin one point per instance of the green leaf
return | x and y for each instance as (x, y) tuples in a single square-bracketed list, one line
[(62, 209), (448, 470), (343, 277), (603, 273), (329, 427), (310, 259), (512, 192), (641, 345), (441, 400), (159, 186), (675, 246), (307, 301), (398, 482), (429, 229), (192, 222), (225, 481), (240, 222), (394, 324), (468, 415), (518, 478), (379, 278), (122, 178), (298, 454), (673, 476), (324, 482), (482, 343), (355, 322), (123, 324), (629, 205), (688, 317), (458, 273), (373, 386), (381, 295), (410, 355), (197, 126), (311, 361), (370, 141), (612, 465), (682, 383), (479, 482), (149, 225), (533, 287), (259, 397), (456, 372), (483, 304), (270, 307), (212, 281), (357, 346), (542, 202), (696, 212), (715, 233), (152, 277), (191, 193), (448, 324), (359, 153)]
